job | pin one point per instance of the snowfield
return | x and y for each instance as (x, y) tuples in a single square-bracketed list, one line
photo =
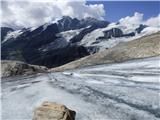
[(120, 91), (91, 38)]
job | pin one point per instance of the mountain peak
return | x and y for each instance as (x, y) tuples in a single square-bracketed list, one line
[(90, 19), (66, 17)]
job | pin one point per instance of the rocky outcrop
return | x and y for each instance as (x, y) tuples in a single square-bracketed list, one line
[(114, 32), (147, 46), (53, 111), (12, 68), (140, 28)]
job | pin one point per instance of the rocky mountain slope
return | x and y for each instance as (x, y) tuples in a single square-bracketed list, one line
[(32, 45), (147, 46), (67, 39)]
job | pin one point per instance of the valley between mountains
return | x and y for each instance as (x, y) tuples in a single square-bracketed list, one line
[(102, 70)]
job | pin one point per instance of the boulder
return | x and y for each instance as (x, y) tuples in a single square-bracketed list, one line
[(53, 111), (13, 68)]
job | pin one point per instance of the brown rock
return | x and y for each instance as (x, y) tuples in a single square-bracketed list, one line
[(13, 68), (53, 111)]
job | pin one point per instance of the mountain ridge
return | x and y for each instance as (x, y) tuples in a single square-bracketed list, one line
[(66, 40)]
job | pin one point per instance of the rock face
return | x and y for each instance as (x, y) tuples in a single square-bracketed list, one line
[(140, 28), (12, 68), (53, 111), (115, 32)]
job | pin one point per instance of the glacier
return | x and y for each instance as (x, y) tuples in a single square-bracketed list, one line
[(121, 91)]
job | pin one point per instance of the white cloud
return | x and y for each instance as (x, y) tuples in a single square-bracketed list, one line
[(130, 23), (30, 13), (136, 19), (153, 21)]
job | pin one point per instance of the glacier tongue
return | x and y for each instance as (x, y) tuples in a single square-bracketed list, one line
[(102, 92)]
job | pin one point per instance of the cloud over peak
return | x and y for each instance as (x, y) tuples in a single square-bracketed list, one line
[(153, 21), (29, 13), (132, 22), (137, 18)]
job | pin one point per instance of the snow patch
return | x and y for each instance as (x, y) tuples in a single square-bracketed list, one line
[(12, 35), (150, 30), (33, 28), (69, 34)]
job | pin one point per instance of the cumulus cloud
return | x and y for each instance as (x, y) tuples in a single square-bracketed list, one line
[(130, 23), (29, 13), (153, 21), (137, 19)]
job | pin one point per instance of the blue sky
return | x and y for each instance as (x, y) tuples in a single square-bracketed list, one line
[(116, 10)]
